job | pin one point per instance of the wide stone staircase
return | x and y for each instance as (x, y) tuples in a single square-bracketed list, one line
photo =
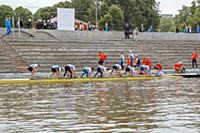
[(82, 53), (10, 59)]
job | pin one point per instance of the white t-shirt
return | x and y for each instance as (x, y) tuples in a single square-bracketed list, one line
[(34, 65), (118, 66), (72, 67)]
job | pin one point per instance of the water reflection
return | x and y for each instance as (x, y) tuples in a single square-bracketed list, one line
[(164, 105)]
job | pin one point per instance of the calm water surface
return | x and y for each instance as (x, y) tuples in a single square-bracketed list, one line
[(155, 106)]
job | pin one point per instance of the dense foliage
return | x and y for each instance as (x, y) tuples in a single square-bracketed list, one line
[(115, 12), (189, 16)]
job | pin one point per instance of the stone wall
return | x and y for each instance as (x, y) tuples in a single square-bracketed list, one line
[(100, 35)]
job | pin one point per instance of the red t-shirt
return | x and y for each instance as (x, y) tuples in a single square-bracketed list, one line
[(159, 66), (101, 56), (129, 61), (194, 55), (178, 66)]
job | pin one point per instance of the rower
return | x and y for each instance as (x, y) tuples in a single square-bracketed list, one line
[(70, 69), (130, 70), (56, 70), (33, 68), (117, 69), (179, 67), (144, 70), (87, 71), (100, 69)]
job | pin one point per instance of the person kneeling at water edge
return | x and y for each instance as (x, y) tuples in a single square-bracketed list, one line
[(56, 70), (117, 68), (70, 69), (87, 71), (32, 68), (101, 70)]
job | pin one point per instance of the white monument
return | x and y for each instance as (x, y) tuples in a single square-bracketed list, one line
[(66, 18)]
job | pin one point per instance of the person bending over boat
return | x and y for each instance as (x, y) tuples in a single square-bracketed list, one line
[(33, 68), (159, 71), (56, 70), (130, 70), (70, 70), (158, 66), (87, 71), (117, 69), (101, 70), (179, 67), (144, 70)]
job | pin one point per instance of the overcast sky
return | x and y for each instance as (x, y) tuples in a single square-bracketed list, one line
[(166, 6)]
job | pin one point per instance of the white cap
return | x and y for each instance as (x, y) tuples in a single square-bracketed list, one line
[(130, 51)]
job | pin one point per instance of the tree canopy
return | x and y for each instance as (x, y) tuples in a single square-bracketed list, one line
[(189, 16), (115, 12), (23, 13), (5, 11)]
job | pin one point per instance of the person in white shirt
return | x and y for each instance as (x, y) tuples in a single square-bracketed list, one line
[(70, 69), (87, 71), (101, 70), (130, 70), (33, 68), (117, 68), (56, 70)]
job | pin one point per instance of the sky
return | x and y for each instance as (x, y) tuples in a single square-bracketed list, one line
[(166, 6)]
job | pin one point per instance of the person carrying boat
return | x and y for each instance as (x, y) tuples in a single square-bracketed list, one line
[(144, 70), (194, 59), (159, 71), (70, 70), (56, 70), (100, 69), (130, 70), (179, 67), (158, 66), (33, 68), (87, 71), (117, 69)]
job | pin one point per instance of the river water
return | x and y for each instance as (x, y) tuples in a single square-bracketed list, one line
[(154, 106)]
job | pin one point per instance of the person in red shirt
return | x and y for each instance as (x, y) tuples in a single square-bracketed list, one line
[(158, 66), (102, 57), (128, 61), (144, 61), (179, 67), (194, 59), (149, 63)]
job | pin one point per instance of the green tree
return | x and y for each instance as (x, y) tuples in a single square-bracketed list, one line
[(23, 13), (167, 24), (115, 18), (136, 12), (85, 10), (49, 12), (45, 13), (189, 16), (5, 11), (65, 4)]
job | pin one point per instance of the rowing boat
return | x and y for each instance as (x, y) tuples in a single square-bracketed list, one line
[(46, 81)]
